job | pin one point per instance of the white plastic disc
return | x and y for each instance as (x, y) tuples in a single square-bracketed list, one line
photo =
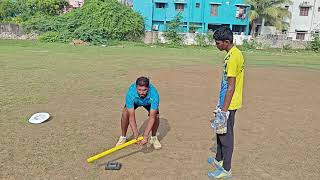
[(39, 118)]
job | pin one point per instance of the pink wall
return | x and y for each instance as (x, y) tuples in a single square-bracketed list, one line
[(76, 3)]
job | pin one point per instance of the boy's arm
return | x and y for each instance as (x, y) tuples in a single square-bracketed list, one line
[(152, 114), (229, 94), (152, 119), (132, 116), (133, 123)]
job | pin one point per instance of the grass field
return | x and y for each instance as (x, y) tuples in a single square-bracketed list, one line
[(29, 68), (83, 88)]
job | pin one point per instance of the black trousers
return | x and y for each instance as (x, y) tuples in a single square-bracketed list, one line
[(225, 143)]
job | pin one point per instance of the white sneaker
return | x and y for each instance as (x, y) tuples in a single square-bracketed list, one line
[(155, 142), (122, 140)]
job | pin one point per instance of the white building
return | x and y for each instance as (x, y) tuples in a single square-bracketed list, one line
[(305, 19)]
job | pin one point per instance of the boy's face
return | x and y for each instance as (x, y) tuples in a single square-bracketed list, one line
[(142, 91), (222, 45)]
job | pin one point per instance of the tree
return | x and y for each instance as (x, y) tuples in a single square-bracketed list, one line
[(315, 43), (271, 11), (29, 8), (25, 9), (7, 9), (173, 30)]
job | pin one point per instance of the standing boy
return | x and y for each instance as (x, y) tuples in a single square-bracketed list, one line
[(230, 101)]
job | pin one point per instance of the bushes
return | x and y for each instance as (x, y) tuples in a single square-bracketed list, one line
[(250, 45), (204, 39), (315, 43), (49, 37), (287, 47), (97, 22)]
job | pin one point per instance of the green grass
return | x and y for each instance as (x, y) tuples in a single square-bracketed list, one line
[(31, 71)]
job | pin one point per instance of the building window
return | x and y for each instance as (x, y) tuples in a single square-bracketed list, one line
[(318, 9), (241, 12), (197, 5), (214, 9), (300, 36), (160, 5), (304, 11), (179, 7)]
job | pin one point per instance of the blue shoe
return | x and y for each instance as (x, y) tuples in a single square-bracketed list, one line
[(220, 173), (214, 162)]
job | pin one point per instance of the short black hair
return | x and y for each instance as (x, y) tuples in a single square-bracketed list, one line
[(223, 34), (143, 81)]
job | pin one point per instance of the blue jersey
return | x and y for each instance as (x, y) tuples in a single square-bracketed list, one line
[(152, 99)]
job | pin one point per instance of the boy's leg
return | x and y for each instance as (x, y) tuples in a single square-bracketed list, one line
[(155, 126), (154, 139), (219, 156), (218, 160), (124, 125), (124, 122), (227, 142), (156, 122)]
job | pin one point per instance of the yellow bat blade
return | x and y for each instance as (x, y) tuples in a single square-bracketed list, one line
[(116, 148)]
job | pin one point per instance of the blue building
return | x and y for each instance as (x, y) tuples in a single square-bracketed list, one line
[(198, 15)]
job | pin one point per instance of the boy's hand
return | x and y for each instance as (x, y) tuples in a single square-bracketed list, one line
[(225, 115), (143, 141), (220, 122), (136, 134), (221, 117)]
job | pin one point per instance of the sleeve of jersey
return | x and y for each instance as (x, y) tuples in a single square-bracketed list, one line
[(129, 101), (155, 102), (232, 67)]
